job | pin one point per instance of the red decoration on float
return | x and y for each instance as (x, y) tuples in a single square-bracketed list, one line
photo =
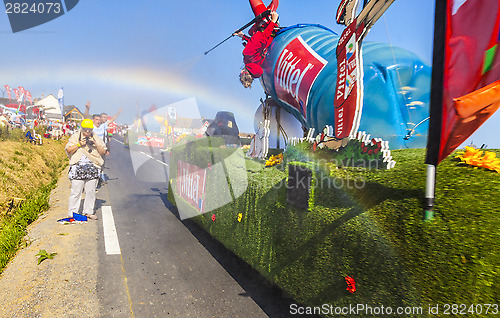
[(351, 284)]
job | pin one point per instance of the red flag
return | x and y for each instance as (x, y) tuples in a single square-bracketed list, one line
[(349, 90), (16, 92), (28, 96), (348, 102), (7, 88), (466, 72), (21, 90)]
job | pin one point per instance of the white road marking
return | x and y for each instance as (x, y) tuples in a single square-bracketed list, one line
[(111, 244), (151, 157), (163, 163), (147, 155)]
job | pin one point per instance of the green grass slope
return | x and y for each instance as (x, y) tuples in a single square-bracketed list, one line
[(29, 172)]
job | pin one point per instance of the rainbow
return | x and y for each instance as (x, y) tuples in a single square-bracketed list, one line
[(138, 78)]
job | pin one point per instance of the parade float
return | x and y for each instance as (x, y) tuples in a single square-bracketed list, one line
[(312, 220), (342, 92), (300, 75)]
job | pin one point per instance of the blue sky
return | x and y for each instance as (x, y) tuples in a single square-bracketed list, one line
[(134, 54)]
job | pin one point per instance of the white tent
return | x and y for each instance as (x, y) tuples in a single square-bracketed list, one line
[(50, 105)]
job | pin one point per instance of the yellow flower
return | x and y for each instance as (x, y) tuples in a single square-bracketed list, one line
[(273, 160), (240, 216), (474, 157), (491, 162), (180, 137)]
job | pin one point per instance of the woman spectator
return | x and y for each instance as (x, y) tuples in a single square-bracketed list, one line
[(84, 150)]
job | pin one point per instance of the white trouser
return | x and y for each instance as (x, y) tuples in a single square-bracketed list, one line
[(75, 197)]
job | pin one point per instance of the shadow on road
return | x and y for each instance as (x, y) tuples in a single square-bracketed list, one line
[(270, 298)]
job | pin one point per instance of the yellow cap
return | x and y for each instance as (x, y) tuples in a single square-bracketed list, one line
[(87, 123)]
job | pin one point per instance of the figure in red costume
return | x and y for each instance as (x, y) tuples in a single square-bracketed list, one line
[(262, 34), (255, 51)]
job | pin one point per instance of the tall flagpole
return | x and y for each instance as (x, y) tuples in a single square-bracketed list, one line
[(60, 98), (436, 108), (20, 101)]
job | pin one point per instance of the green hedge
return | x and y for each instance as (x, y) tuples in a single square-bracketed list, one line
[(371, 231), (295, 249), (225, 172)]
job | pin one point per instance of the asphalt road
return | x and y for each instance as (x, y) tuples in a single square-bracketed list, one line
[(165, 267)]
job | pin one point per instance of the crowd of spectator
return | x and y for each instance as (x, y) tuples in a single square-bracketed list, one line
[(34, 129), (15, 126)]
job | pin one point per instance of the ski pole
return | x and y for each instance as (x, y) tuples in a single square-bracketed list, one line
[(263, 14)]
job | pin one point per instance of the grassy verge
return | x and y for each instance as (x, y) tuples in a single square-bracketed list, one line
[(27, 175), (16, 134), (13, 227), (367, 225)]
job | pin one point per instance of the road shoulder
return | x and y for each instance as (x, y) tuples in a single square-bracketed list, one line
[(64, 286)]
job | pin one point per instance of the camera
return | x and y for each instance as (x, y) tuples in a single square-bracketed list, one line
[(89, 141)]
